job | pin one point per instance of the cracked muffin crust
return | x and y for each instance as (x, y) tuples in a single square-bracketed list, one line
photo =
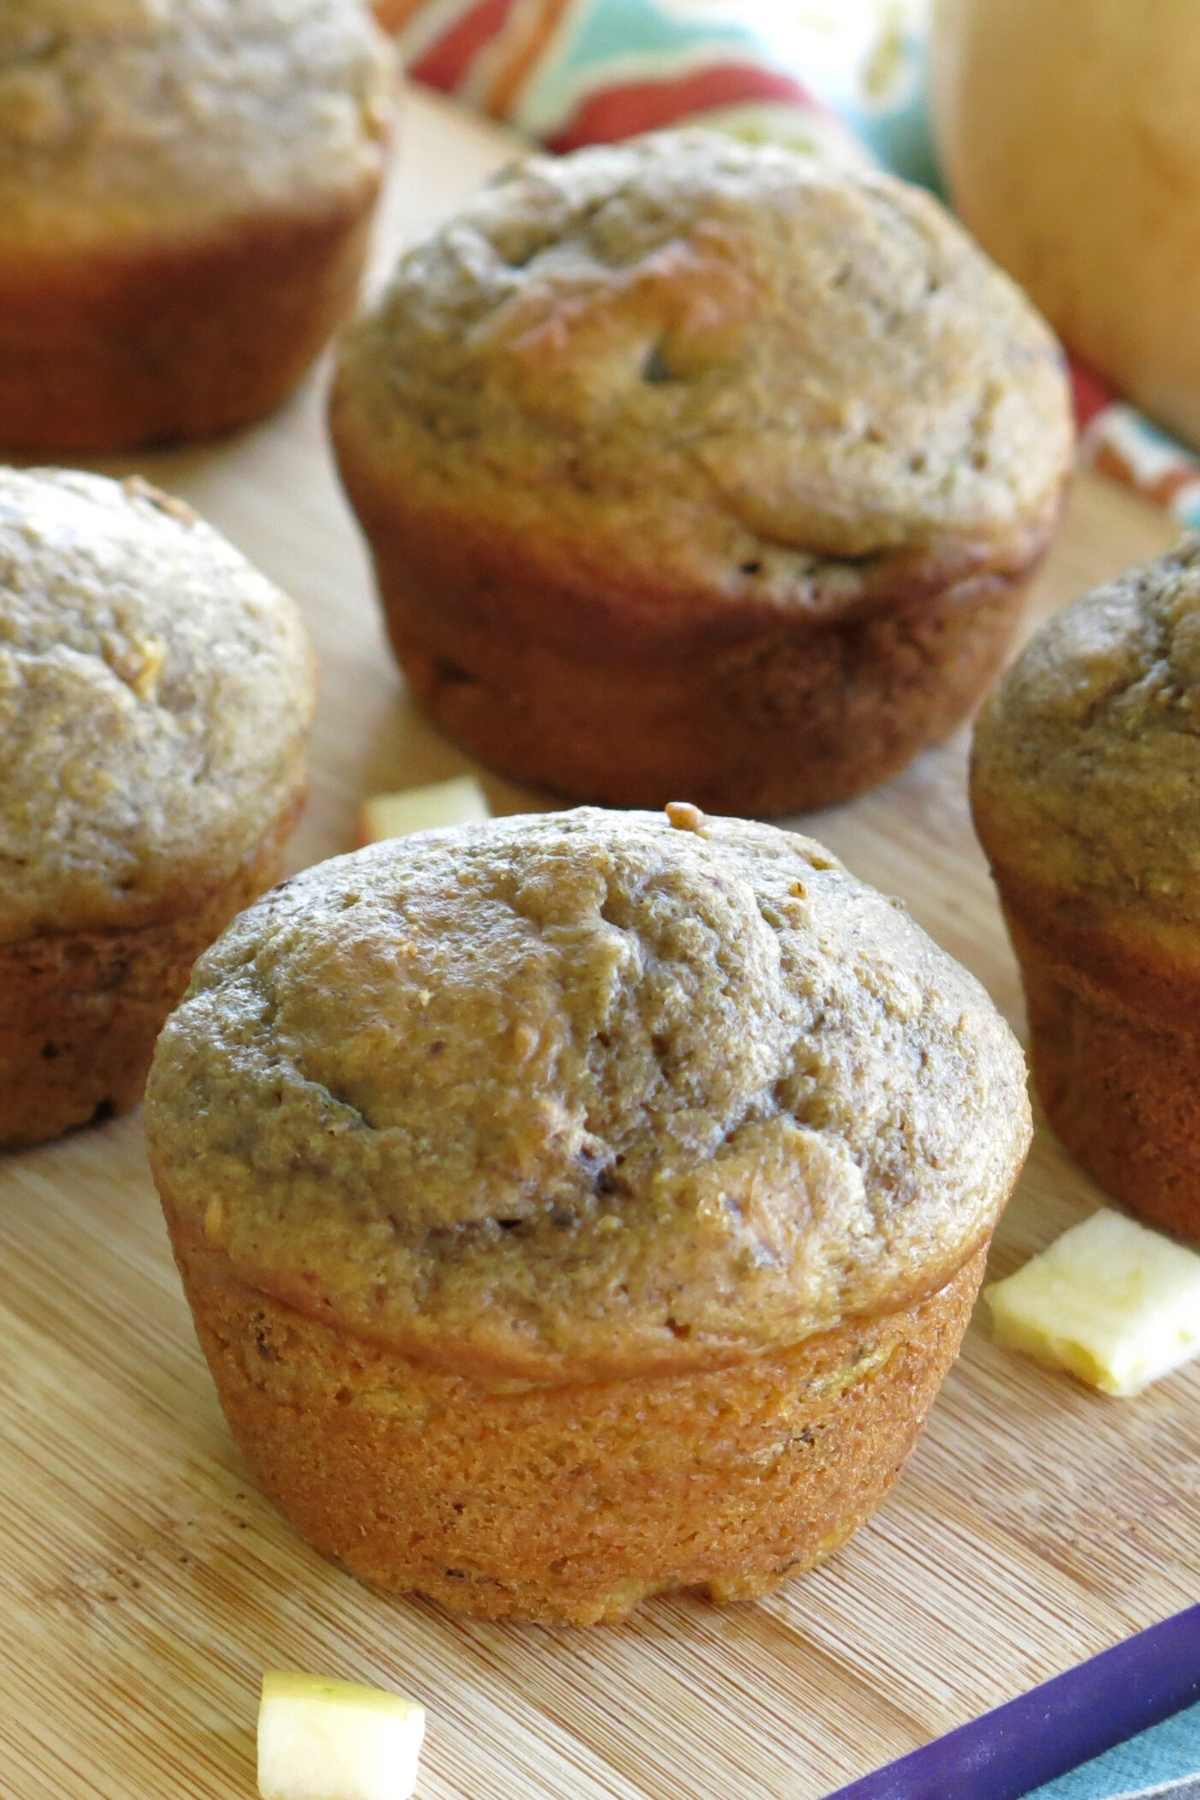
[(155, 697), (469, 1139), (1085, 788), (185, 191), (747, 452)]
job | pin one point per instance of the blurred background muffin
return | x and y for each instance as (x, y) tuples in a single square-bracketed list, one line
[(577, 1206), (1085, 786), (185, 192), (155, 697), (689, 465), (1070, 138)]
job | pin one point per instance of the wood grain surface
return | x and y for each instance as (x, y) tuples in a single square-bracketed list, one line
[(145, 1583)]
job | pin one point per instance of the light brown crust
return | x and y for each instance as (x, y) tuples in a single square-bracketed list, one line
[(578, 1206), (694, 465), (135, 121), (80, 1010), (155, 696), (144, 344), (675, 354), (586, 1095), (1087, 755), (569, 1503)]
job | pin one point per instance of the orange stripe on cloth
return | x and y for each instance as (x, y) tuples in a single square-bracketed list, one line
[(394, 15), (447, 61), (542, 22), (623, 111)]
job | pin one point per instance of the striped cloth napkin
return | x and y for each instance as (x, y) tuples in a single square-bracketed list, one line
[(847, 80)]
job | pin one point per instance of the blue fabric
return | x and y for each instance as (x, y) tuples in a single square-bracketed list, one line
[(1167, 1752), (896, 126)]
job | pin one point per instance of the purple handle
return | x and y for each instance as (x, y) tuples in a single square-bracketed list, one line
[(1055, 1727)]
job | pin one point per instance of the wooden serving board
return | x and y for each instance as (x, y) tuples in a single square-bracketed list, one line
[(145, 1583)]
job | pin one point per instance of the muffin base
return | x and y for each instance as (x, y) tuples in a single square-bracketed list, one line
[(787, 721), (80, 1010), (568, 1504), (105, 352), (567, 674), (1117, 1068)]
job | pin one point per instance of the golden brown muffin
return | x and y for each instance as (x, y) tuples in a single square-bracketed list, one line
[(185, 191), (579, 1206), (155, 697), (1085, 786), (691, 465)]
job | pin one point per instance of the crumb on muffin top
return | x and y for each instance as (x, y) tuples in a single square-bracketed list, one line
[(155, 695), (1086, 764), (719, 366), (129, 119), (586, 1092)]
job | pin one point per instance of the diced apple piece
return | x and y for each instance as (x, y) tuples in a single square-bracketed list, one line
[(1116, 1304), (458, 802), (335, 1740)]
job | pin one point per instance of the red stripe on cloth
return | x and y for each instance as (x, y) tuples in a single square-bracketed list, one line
[(620, 112), (448, 59), (1092, 392)]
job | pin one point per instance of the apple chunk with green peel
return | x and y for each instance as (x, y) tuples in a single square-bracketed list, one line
[(320, 1739), (458, 802), (1116, 1304)]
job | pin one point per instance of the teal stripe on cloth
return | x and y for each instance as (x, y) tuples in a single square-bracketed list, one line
[(897, 127), (1166, 1752), (611, 29)]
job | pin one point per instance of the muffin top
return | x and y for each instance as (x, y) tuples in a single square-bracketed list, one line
[(155, 695), (1086, 768), (129, 119), (750, 372), (586, 1092)]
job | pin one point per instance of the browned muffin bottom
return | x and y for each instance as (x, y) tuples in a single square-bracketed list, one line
[(581, 1206), (577, 1502), (786, 719), (112, 350), (688, 465), (185, 196), (155, 696), (1085, 787)]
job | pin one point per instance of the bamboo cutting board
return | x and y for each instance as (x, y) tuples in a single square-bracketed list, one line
[(146, 1585)]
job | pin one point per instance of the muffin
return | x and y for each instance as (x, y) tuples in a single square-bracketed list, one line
[(694, 465), (185, 191), (1085, 786), (155, 696), (579, 1206)]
